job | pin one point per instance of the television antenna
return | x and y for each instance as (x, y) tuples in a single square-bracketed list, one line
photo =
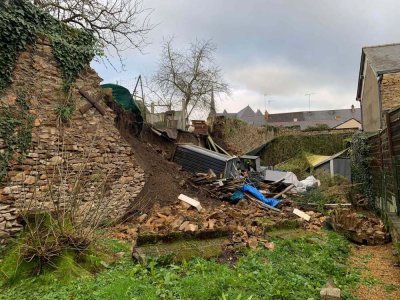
[(309, 99)]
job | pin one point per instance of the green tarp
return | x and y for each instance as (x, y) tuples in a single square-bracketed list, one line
[(123, 97)]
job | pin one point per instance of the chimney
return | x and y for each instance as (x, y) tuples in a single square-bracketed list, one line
[(353, 110), (266, 115)]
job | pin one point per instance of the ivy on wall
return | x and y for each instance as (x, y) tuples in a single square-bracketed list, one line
[(284, 148), (360, 159), (21, 22), (15, 133)]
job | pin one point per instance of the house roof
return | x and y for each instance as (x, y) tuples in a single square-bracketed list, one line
[(382, 59), (247, 111), (246, 114), (305, 119), (348, 121)]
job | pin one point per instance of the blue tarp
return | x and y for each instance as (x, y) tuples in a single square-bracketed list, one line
[(236, 197), (256, 193)]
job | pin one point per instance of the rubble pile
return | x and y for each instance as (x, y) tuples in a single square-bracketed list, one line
[(360, 228), (246, 224)]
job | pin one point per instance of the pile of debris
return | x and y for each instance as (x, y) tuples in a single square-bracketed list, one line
[(244, 224), (247, 187), (360, 228)]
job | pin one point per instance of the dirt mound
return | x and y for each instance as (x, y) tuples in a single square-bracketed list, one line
[(165, 180)]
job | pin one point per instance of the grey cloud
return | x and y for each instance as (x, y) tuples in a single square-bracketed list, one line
[(277, 46)]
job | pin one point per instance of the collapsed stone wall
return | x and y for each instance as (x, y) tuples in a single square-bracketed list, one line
[(87, 150)]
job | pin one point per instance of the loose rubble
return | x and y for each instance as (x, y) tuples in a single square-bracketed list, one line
[(360, 228), (246, 222)]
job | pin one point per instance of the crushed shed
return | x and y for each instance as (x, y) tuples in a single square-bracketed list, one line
[(196, 159)]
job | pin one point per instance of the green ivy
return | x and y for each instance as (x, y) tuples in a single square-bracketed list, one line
[(16, 124), (360, 159), (21, 22)]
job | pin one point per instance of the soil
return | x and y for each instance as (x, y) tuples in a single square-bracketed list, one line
[(379, 271), (165, 180)]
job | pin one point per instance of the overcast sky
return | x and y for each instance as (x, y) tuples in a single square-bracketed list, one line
[(280, 48)]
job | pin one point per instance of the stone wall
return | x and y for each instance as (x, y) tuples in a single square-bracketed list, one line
[(390, 91), (87, 151), (238, 137)]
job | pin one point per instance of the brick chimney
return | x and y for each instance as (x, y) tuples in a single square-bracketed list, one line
[(266, 115), (353, 110)]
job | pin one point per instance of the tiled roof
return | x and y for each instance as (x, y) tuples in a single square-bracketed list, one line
[(383, 58), (305, 119)]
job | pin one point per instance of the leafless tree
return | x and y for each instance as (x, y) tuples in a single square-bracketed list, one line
[(160, 97), (191, 75), (118, 24)]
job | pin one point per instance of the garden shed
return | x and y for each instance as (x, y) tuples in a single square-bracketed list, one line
[(337, 164)]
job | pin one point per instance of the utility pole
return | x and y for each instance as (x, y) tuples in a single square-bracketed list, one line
[(309, 100)]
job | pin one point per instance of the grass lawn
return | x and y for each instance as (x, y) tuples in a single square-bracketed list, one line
[(296, 269)]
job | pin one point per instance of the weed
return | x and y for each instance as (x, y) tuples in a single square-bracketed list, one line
[(391, 287), (64, 112), (371, 281)]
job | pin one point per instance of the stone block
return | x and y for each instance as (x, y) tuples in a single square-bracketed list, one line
[(330, 293)]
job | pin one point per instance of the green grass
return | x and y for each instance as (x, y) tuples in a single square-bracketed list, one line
[(296, 269)]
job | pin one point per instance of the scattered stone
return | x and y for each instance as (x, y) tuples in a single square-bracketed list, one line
[(252, 242), (142, 218), (269, 245), (120, 254), (184, 225), (330, 293)]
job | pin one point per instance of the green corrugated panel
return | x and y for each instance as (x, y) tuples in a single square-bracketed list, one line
[(123, 97)]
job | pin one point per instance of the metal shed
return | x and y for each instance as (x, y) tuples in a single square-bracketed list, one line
[(337, 164), (196, 159)]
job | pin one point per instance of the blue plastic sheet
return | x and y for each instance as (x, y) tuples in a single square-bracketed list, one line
[(236, 197), (256, 193)]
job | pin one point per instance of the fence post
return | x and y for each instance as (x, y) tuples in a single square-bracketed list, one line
[(383, 176), (393, 166)]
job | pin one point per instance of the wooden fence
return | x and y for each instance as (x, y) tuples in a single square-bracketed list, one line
[(385, 163)]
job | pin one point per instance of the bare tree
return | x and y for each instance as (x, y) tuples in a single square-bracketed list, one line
[(160, 96), (118, 24), (191, 76)]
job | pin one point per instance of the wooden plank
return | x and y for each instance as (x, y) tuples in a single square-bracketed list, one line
[(261, 204), (284, 191), (92, 101), (190, 201), (301, 214)]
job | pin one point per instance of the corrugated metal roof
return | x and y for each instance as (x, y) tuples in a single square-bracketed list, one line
[(330, 158), (205, 151), (314, 159)]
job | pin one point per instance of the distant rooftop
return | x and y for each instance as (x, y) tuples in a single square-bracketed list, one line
[(247, 115), (304, 119)]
